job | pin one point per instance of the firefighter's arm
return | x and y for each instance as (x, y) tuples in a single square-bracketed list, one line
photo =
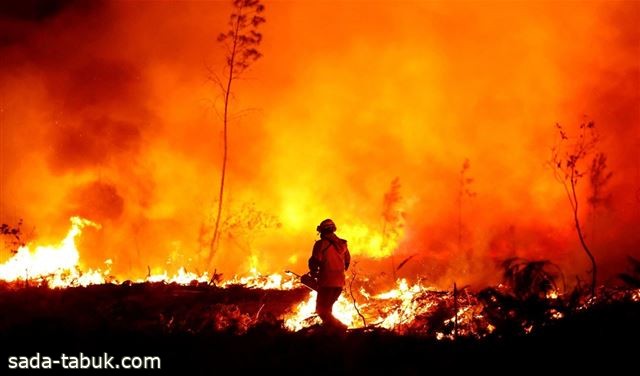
[(347, 257), (315, 261)]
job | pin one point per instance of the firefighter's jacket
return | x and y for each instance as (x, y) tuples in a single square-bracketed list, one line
[(330, 259)]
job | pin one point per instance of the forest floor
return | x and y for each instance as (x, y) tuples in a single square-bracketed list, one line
[(203, 329)]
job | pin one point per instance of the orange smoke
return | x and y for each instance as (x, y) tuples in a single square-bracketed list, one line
[(361, 112)]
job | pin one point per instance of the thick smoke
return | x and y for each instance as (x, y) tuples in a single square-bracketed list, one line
[(108, 110)]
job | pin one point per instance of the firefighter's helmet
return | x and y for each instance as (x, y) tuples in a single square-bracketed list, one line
[(326, 226)]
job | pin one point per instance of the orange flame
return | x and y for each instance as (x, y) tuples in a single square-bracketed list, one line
[(58, 264)]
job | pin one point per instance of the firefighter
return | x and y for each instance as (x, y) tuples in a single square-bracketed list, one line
[(329, 260)]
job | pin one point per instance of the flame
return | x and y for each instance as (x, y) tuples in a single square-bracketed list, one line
[(304, 313), (108, 132), (400, 309), (552, 294), (390, 309), (397, 309), (57, 264), (257, 280), (368, 241)]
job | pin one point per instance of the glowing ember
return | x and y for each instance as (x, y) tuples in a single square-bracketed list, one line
[(553, 294), (556, 314)]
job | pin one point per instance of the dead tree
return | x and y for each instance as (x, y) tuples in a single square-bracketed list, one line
[(567, 159), (241, 42)]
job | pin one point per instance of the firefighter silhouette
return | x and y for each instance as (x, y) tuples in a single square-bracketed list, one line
[(329, 260)]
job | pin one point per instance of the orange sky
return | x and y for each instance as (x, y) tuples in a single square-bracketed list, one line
[(107, 112)]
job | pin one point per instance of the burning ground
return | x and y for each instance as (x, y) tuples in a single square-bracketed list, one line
[(201, 328), (360, 112), (199, 323), (425, 130)]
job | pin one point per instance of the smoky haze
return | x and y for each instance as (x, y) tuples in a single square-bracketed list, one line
[(108, 111)]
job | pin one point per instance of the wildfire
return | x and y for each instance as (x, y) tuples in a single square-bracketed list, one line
[(395, 309), (57, 264), (304, 313), (405, 308)]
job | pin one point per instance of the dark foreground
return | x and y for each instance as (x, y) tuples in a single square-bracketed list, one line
[(204, 330)]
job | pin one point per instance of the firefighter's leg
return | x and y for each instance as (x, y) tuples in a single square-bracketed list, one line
[(327, 296), (334, 295), (324, 304)]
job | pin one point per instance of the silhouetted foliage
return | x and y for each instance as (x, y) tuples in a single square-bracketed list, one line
[(530, 279), (632, 278), (12, 236), (438, 319), (526, 300), (242, 39)]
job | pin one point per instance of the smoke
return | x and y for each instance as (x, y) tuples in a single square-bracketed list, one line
[(108, 112)]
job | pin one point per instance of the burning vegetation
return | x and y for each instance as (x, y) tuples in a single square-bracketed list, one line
[(528, 297), (44, 293)]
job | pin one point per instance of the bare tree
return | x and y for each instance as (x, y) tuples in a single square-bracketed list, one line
[(567, 160), (241, 42)]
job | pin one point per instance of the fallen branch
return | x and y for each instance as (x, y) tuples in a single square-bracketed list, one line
[(353, 277)]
